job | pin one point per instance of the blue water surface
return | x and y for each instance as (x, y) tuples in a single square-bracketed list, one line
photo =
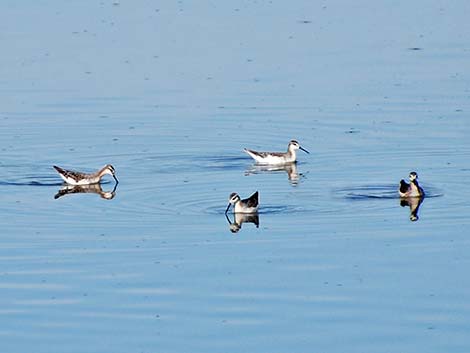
[(170, 93)]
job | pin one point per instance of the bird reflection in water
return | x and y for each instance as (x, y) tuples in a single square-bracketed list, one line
[(290, 168), (240, 218), (87, 189), (413, 203)]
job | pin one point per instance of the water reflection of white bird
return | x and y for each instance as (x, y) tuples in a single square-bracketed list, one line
[(289, 168), (87, 189), (240, 218), (277, 157), (413, 203)]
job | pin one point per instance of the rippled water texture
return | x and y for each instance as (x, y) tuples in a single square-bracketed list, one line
[(170, 93)]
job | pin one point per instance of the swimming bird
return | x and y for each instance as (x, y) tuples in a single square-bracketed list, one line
[(277, 157), (412, 189), (249, 205), (77, 178)]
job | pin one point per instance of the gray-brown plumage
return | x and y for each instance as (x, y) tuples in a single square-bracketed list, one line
[(78, 178), (277, 158)]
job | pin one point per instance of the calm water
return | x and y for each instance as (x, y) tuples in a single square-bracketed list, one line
[(170, 93)]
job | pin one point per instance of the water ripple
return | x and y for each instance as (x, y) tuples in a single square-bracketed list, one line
[(269, 209), (193, 163), (30, 180), (378, 191)]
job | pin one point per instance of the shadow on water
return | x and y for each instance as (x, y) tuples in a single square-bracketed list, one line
[(293, 174), (240, 218), (86, 189)]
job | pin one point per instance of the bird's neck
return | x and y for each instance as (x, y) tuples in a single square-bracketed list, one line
[(102, 171)]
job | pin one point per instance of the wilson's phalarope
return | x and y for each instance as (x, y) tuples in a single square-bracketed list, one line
[(412, 189), (277, 157), (78, 178), (249, 205)]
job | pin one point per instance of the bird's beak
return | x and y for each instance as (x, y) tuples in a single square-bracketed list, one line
[(228, 207), (117, 181), (303, 149)]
